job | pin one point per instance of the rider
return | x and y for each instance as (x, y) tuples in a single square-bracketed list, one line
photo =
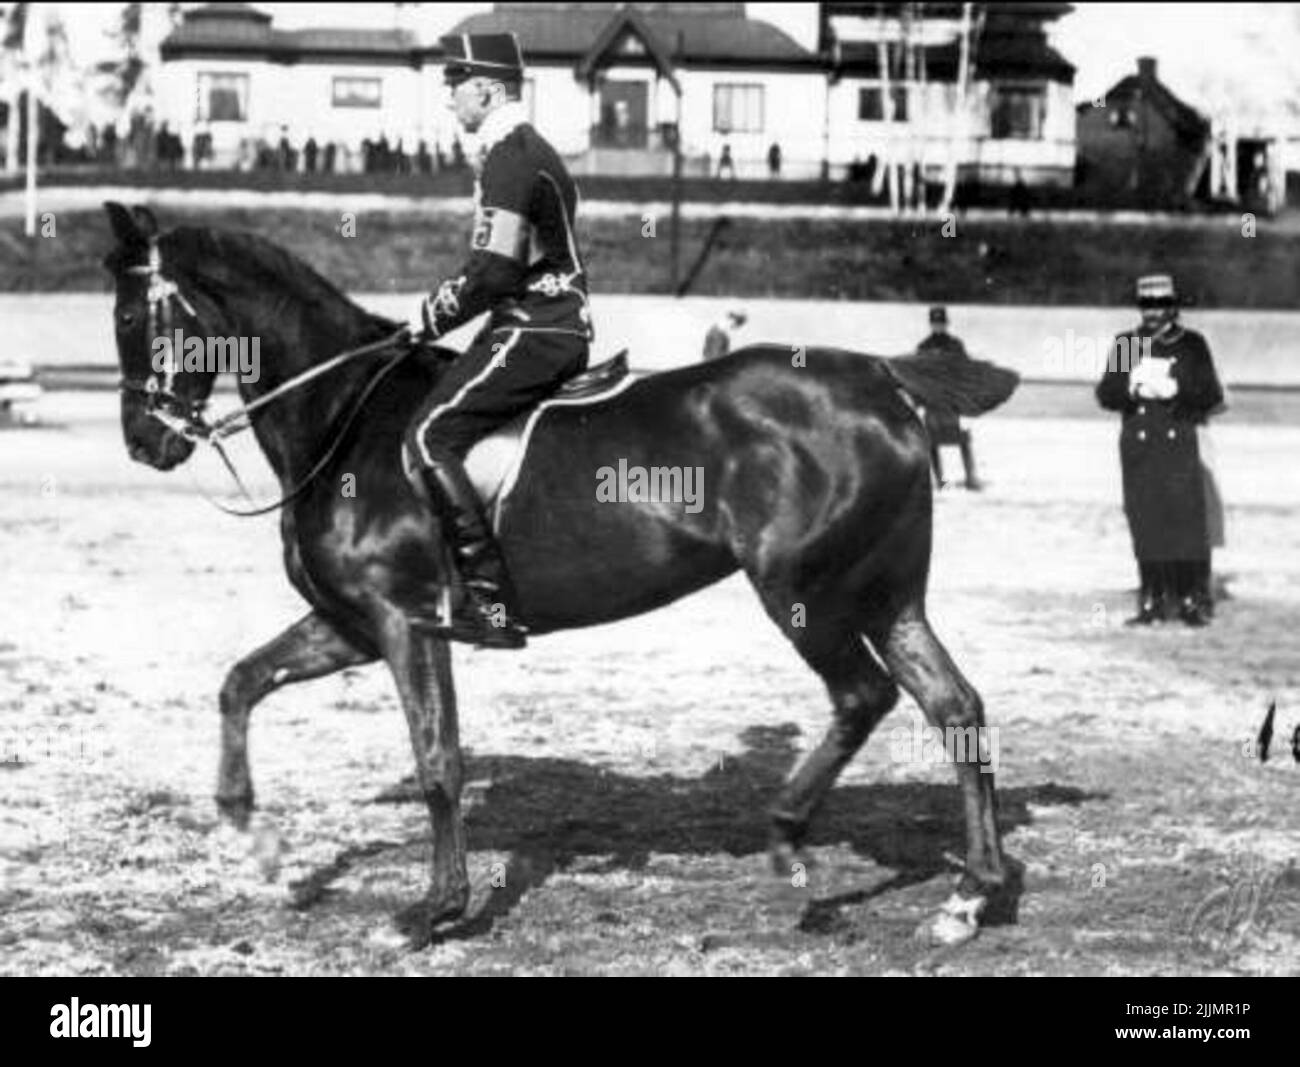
[(525, 269)]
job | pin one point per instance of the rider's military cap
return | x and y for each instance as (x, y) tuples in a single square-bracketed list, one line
[(487, 55), (1156, 289)]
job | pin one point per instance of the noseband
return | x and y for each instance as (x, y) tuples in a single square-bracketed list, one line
[(184, 417)]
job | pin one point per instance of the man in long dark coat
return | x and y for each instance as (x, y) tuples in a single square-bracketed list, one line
[(1161, 378), (943, 425)]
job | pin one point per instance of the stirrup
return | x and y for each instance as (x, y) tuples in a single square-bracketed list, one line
[(474, 622), (479, 622)]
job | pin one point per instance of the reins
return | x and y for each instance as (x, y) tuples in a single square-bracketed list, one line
[(227, 425)]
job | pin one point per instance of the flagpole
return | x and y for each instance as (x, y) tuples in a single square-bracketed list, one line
[(33, 125)]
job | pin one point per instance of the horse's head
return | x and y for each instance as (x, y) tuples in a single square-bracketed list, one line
[(162, 403)]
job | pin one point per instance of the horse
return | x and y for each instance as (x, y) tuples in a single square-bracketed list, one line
[(818, 489)]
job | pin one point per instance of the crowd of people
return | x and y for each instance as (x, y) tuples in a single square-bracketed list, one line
[(147, 147), (371, 156)]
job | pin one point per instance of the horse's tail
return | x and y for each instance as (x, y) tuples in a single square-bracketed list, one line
[(965, 387)]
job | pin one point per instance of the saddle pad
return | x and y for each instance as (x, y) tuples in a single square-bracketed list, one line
[(494, 463)]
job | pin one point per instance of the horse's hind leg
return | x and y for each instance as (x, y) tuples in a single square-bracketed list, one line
[(861, 692), (310, 648), (922, 666)]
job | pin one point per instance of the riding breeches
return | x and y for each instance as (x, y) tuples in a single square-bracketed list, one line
[(502, 374)]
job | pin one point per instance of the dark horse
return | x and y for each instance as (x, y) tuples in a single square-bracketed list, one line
[(817, 485)]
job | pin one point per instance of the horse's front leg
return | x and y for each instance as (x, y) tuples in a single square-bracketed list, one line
[(421, 666), (310, 648)]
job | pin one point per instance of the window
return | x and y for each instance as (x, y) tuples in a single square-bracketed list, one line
[(357, 92), (1017, 113), (738, 109), (222, 97), (871, 106)]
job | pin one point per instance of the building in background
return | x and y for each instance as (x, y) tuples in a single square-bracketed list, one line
[(613, 84), (932, 87), (609, 84), (230, 75), (1146, 145), (1143, 144)]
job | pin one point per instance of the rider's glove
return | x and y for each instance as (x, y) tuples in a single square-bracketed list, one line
[(429, 319), (442, 309)]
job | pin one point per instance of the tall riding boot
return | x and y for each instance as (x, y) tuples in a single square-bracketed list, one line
[(487, 614), (1148, 601)]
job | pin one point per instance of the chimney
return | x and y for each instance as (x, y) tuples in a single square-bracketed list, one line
[(1147, 68)]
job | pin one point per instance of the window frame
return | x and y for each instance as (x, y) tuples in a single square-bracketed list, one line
[(758, 88), (204, 86), (356, 102), (1037, 91), (900, 96)]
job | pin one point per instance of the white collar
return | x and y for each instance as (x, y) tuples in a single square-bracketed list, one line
[(499, 123)]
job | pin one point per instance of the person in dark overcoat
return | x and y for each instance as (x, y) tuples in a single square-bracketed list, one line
[(1161, 378), (944, 426)]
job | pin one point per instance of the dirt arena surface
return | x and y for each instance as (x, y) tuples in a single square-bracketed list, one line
[(618, 777)]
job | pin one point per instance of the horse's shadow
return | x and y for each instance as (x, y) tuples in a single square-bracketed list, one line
[(545, 812)]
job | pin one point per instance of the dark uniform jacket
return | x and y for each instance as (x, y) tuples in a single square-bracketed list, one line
[(524, 262), (942, 424), (1164, 495)]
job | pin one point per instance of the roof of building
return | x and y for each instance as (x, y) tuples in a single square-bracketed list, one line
[(1022, 10), (624, 32), (239, 29), (708, 33), (1026, 56), (1183, 117)]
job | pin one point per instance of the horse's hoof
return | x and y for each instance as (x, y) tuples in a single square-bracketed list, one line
[(789, 861), (236, 812), (267, 850), (419, 922), (446, 909), (956, 923)]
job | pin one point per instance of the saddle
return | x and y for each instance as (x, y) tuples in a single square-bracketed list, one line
[(494, 462)]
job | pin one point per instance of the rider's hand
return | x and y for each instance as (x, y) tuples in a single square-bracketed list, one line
[(431, 332)]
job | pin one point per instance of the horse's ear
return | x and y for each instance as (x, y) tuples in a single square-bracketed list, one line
[(144, 219), (125, 227)]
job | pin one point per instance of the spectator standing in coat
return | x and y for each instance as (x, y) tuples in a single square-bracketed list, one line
[(1161, 378), (944, 426), (726, 163)]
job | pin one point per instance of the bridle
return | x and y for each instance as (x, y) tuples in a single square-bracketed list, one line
[(182, 416), (186, 417)]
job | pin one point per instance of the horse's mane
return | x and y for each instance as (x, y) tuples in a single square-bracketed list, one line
[(274, 273)]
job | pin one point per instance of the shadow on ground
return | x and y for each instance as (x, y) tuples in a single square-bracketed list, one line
[(545, 812)]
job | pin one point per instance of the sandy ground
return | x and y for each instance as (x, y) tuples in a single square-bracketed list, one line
[(618, 776)]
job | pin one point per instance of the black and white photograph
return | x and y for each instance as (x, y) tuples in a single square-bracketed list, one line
[(651, 490)]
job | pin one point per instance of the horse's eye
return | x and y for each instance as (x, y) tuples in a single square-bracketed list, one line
[(126, 319)]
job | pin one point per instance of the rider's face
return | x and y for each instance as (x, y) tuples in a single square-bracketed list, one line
[(471, 101), (1154, 316)]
